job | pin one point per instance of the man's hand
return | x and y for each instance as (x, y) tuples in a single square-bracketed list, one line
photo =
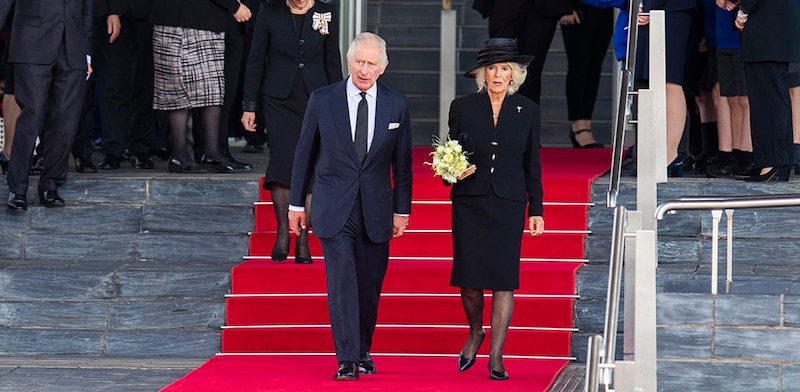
[(400, 223), (114, 27), (297, 221), (536, 225), (249, 121), (571, 19), (243, 14)]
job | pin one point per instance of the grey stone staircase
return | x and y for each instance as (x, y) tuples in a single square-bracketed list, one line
[(132, 267), (745, 339), (411, 29)]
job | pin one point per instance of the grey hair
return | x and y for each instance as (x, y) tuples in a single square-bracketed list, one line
[(367, 38), (518, 75)]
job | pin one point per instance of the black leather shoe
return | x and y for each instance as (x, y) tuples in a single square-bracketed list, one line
[(465, 363), (366, 365), (348, 371), (85, 165), (17, 202), (51, 199), (302, 256), (177, 166), (239, 164), (110, 162), (253, 148), (779, 173), (142, 161), (220, 165)]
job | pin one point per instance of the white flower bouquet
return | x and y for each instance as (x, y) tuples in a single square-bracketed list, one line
[(449, 159)]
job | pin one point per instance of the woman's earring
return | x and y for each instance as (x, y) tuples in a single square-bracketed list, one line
[(511, 82)]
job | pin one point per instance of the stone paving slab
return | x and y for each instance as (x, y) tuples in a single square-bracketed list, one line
[(92, 374)]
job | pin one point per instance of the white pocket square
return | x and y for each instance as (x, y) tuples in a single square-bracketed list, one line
[(394, 126)]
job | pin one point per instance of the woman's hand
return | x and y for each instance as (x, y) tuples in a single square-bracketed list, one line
[(643, 19), (536, 225), (470, 171)]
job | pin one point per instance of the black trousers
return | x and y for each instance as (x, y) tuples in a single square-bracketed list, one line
[(354, 269), (124, 71), (586, 45), (770, 112), (51, 98), (534, 33)]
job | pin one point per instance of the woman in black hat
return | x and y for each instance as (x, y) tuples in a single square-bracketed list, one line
[(501, 131)]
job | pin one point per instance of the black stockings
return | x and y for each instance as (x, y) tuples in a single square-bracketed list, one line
[(179, 126), (502, 308), (280, 202)]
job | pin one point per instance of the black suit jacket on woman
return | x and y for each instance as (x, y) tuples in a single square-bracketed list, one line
[(511, 165), (772, 31), (278, 53)]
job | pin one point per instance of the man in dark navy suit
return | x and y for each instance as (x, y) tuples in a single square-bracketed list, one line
[(354, 134), (50, 49)]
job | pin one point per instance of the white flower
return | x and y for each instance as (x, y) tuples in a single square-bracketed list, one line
[(449, 159)]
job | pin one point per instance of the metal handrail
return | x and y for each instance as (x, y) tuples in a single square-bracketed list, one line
[(726, 202), (624, 104)]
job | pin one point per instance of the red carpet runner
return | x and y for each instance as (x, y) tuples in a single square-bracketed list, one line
[(277, 334)]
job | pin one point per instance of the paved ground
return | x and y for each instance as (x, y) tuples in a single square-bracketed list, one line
[(81, 374)]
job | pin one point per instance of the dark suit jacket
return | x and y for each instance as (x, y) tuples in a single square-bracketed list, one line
[(38, 29), (772, 31), (512, 167), (208, 15), (278, 53), (325, 149)]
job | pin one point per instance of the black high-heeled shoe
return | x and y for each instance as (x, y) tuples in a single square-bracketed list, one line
[(279, 252), (3, 163), (675, 168), (496, 375), (465, 363), (780, 173), (574, 139)]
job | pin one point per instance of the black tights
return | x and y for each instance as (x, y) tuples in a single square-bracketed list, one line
[(502, 308), (280, 202), (179, 126)]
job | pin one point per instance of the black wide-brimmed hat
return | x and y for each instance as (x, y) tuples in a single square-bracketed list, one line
[(499, 50)]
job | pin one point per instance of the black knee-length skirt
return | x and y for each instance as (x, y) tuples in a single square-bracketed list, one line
[(283, 119), (487, 235)]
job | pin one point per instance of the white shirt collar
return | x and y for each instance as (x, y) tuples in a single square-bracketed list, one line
[(352, 90)]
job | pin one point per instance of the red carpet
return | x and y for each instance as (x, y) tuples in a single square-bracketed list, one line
[(277, 312)]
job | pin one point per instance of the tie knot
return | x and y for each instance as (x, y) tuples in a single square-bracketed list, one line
[(363, 95)]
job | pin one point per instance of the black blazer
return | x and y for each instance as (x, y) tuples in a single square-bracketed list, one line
[(278, 53), (772, 31), (543, 7), (38, 29), (139, 9), (208, 15), (511, 165)]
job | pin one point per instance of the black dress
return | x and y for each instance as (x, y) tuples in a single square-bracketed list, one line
[(489, 207)]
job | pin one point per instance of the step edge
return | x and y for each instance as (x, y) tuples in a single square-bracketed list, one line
[(379, 354), (454, 295), (404, 326)]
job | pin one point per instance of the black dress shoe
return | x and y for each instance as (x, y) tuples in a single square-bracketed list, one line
[(175, 165), (111, 162), (83, 165), (348, 371), (302, 256), (142, 161), (17, 202), (51, 199), (366, 365), (220, 165), (253, 148), (465, 363)]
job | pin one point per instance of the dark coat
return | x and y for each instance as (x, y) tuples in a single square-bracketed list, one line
[(511, 165), (326, 150), (772, 31), (278, 53), (208, 15), (38, 30)]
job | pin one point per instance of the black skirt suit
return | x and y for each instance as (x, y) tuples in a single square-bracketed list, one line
[(288, 60), (489, 207)]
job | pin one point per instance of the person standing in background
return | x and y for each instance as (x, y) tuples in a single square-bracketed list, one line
[(586, 33), (295, 50), (50, 83)]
